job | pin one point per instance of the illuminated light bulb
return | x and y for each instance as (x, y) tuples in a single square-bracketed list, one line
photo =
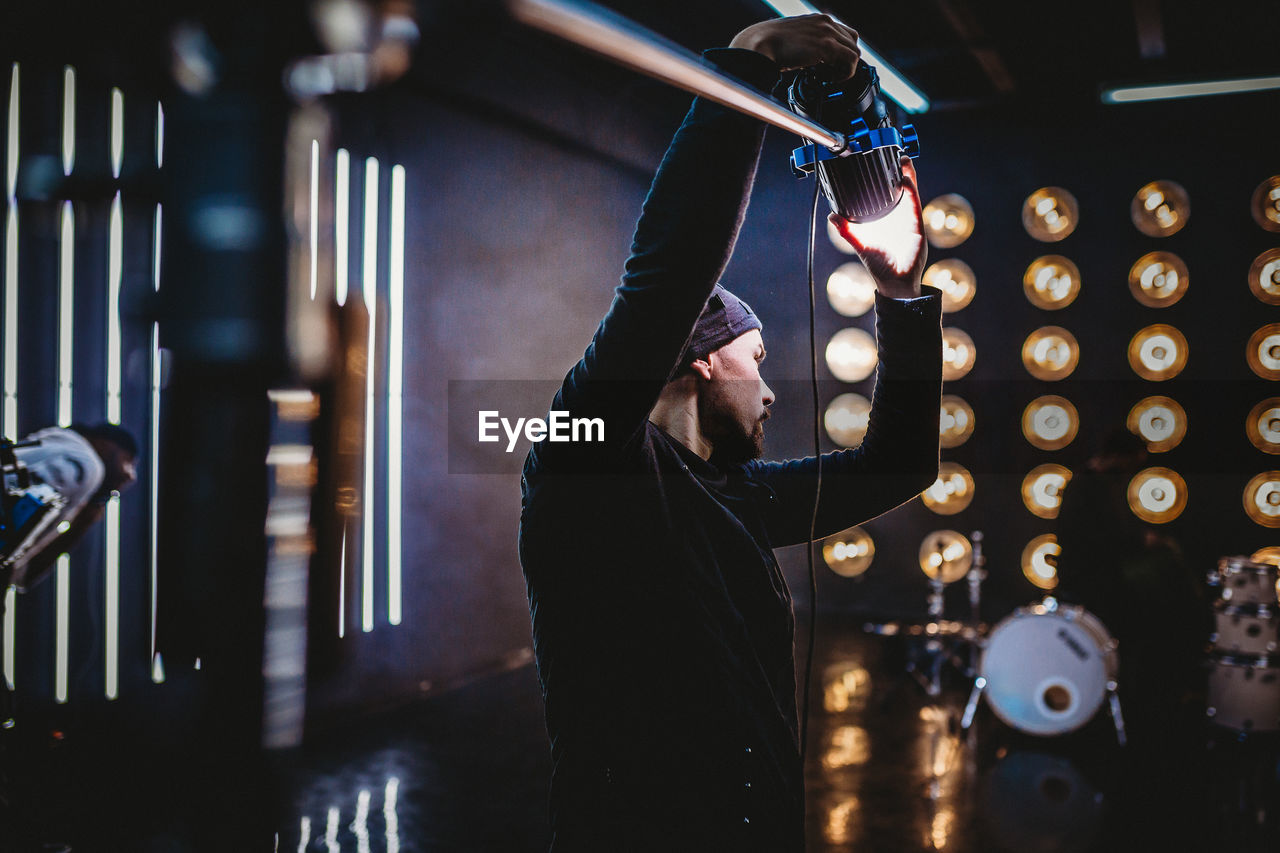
[(958, 354), (1269, 555), (838, 240), (847, 685), (1042, 489), (1040, 561), (948, 221), (1158, 352), (1265, 205), (1050, 353), (850, 746), (956, 421), (849, 553), (1263, 426), (851, 355), (945, 555), (851, 290), (1051, 282), (846, 419), (1160, 208), (1264, 351), (1050, 214), (1264, 277), (1050, 422), (1160, 422), (1157, 495), (1262, 499), (952, 492), (1158, 279), (956, 281)]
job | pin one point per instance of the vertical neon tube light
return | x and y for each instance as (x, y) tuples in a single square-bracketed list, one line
[(66, 325), (68, 119), (395, 393), (342, 224), (369, 287), (157, 665), (315, 211), (11, 333), (111, 639)]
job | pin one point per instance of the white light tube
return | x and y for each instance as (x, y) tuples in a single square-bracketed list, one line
[(115, 253), (159, 134), (390, 820), (117, 131), (112, 637), (157, 668), (63, 629), (369, 288), (11, 159), (66, 319), (68, 119), (315, 211), (342, 584), (395, 393), (892, 82), (342, 227), (9, 626), (1133, 94), (11, 324)]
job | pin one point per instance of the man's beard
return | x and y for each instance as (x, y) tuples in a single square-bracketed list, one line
[(731, 445)]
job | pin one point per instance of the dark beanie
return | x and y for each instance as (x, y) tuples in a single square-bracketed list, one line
[(724, 318)]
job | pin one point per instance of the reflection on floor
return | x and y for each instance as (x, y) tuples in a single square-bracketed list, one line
[(889, 770)]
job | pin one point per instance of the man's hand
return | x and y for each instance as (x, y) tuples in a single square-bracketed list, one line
[(892, 248), (803, 41)]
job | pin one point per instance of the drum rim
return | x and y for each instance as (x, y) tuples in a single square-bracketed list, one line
[(1250, 661), (1244, 565), (1257, 609)]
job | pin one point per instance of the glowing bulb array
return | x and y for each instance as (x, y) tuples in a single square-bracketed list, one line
[(1042, 489), (1051, 282), (1157, 495), (1050, 422), (849, 553), (956, 421), (846, 419), (952, 492), (851, 290), (851, 355), (1158, 279), (1160, 208), (1050, 353), (1040, 561), (945, 555), (1050, 214), (1158, 352), (956, 281), (1160, 421), (948, 221)]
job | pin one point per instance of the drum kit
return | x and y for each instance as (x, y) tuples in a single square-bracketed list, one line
[(1244, 677)]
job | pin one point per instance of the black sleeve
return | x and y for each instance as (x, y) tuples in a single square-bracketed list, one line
[(897, 459), (682, 243)]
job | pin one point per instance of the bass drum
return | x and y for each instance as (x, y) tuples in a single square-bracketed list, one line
[(1047, 668)]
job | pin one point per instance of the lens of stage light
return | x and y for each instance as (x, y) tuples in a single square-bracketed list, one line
[(1050, 353), (1160, 208), (1269, 555), (948, 221), (1158, 279), (1160, 421), (1265, 205), (851, 290), (846, 419), (1158, 352), (1051, 282), (958, 354), (1157, 495), (837, 239), (956, 281), (1050, 214), (956, 421), (1050, 422), (851, 355), (945, 555), (1264, 277), (1264, 351), (1263, 426), (952, 492), (1262, 499), (1042, 489), (849, 552), (1040, 561)]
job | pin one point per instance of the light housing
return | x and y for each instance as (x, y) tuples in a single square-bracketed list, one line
[(1263, 426), (851, 289), (1050, 422), (1050, 353), (945, 555), (846, 419), (1160, 421), (1042, 489), (948, 221), (1051, 282), (1158, 352), (1040, 561), (955, 279), (1158, 279), (1265, 204), (1050, 214), (958, 354), (1262, 499), (1264, 277), (849, 553), (1157, 495), (951, 492), (956, 422), (1160, 208), (851, 355), (1263, 353)]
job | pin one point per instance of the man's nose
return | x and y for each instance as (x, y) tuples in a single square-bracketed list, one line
[(766, 393)]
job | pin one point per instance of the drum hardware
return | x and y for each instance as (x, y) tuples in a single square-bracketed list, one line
[(1241, 580), (1244, 629), (1046, 669), (1244, 693), (1244, 678)]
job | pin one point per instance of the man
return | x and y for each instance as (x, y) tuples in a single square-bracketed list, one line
[(662, 624)]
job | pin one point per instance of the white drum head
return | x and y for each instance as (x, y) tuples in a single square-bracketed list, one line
[(1045, 671)]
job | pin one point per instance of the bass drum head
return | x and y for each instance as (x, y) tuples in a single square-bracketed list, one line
[(1047, 670)]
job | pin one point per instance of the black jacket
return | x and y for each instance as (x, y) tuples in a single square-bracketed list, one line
[(662, 624)]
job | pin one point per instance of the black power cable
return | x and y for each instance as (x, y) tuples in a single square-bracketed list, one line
[(817, 492)]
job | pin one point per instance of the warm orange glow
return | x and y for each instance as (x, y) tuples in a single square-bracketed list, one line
[(1050, 214), (958, 354), (841, 821), (849, 553), (838, 240), (946, 555), (1042, 489), (1158, 352), (1160, 208), (1265, 204), (956, 281), (1263, 426), (1160, 421), (1262, 499), (1157, 495), (1264, 277), (850, 746), (896, 235), (846, 686), (1051, 282), (1269, 555), (851, 289), (1158, 279), (956, 422), (846, 419), (1050, 422), (1050, 353), (952, 492), (851, 355), (1040, 561), (1264, 351), (948, 221)]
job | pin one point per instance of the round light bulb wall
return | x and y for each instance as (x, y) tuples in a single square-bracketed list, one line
[(851, 290), (1050, 422), (1265, 205), (846, 419), (956, 421), (956, 281), (1158, 279), (948, 221), (1263, 353), (1051, 282), (952, 492), (851, 355), (1160, 421), (958, 354), (1042, 489), (1157, 495), (849, 553), (1050, 353), (1160, 208), (945, 555), (1050, 214), (1158, 352), (1040, 561)]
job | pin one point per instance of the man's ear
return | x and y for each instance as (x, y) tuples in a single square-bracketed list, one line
[(702, 367)]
